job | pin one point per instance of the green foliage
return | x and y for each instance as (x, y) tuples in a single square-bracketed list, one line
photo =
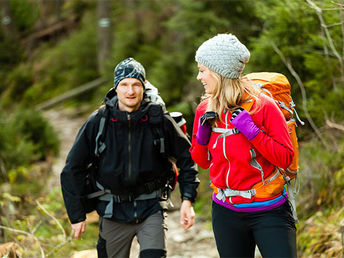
[(184, 32), (15, 150), (24, 13), (166, 42), (25, 136), (294, 27), (38, 130), (173, 27), (77, 7), (204, 196), (18, 206), (18, 81), (10, 54), (339, 179), (287, 24), (320, 178), (42, 227), (320, 236), (68, 65)]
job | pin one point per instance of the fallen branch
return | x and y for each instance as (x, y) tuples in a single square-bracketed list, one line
[(51, 30), (51, 216), (334, 125), (66, 241), (9, 249), (28, 234), (72, 93)]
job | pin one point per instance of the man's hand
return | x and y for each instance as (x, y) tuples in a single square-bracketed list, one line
[(187, 214), (79, 228)]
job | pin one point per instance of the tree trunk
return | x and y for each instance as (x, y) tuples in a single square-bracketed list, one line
[(6, 19), (104, 33)]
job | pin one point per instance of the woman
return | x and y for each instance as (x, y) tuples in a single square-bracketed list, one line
[(242, 151)]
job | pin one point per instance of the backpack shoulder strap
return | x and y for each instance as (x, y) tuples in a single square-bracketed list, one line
[(248, 105), (169, 178), (155, 115), (102, 127), (248, 102)]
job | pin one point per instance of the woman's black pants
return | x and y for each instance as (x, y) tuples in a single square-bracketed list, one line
[(237, 233)]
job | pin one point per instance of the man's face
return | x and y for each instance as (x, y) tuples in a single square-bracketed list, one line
[(130, 94)]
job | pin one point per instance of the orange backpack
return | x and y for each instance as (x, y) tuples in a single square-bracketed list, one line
[(277, 86)]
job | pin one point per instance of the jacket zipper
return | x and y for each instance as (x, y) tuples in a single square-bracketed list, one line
[(224, 150), (129, 165), (129, 147)]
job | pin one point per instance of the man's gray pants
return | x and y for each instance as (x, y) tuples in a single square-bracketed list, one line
[(115, 238)]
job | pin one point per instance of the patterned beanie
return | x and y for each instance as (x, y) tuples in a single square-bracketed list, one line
[(223, 54), (129, 68)]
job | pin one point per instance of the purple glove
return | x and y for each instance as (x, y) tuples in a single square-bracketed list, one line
[(204, 127), (242, 120)]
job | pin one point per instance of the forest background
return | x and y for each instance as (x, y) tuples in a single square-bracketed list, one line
[(49, 47)]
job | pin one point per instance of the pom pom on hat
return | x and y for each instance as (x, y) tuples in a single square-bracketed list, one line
[(129, 68), (223, 54)]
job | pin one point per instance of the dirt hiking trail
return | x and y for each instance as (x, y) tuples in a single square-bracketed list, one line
[(196, 242)]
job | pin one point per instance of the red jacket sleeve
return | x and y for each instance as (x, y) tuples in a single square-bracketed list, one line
[(273, 141), (199, 153)]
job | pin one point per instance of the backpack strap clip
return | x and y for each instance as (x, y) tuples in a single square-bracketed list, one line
[(224, 133), (161, 142), (223, 193)]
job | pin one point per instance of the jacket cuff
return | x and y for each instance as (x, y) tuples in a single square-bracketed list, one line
[(258, 138), (74, 221), (188, 197)]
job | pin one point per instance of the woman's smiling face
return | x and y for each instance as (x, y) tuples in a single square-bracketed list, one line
[(206, 78)]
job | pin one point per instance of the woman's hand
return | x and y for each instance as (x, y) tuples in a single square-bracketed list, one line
[(204, 127), (242, 120)]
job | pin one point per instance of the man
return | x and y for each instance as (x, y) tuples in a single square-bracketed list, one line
[(140, 141)]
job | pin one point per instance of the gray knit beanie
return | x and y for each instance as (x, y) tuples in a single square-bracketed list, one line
[(223, 54), (129, 68)]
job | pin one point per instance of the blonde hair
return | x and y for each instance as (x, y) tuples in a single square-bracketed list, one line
[(229, 94)]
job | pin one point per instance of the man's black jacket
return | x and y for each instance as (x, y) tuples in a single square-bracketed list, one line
[(129, 160)]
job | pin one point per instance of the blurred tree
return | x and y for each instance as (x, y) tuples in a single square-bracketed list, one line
[(104, 33), (50, 12), (8, 27)]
